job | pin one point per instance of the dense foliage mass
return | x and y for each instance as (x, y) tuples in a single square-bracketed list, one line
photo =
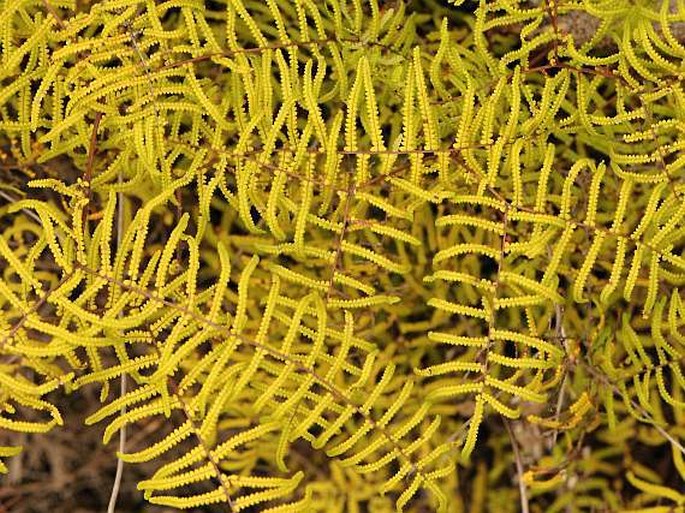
[(350, 255)]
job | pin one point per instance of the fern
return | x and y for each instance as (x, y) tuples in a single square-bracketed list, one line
[(351, 256)]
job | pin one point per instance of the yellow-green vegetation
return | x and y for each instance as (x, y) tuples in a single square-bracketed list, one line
[(348, 255)]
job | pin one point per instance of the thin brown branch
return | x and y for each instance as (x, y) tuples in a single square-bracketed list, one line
[(29, 213), (53, 12), (111, 506), (525, 507), (92, 149)]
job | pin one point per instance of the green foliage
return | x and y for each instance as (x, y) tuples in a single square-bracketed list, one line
[(356, 256)]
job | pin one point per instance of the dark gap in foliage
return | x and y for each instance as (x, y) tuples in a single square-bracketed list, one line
[(596, 155), (96, 31), (215, 216), (488, 267), (286, 261), (374, 212), (76, 292), (113, 62), (553, 71), (176, 79), (172, 14), (214, 5), (564, 284), (601, 273), (326, 111), (315, 430), (510, 349), (12, 112)]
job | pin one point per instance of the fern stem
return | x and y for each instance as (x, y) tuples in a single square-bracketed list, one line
[(29, 213), (51, 9), (560, 333), (519, 468), (116, 486), (120, 463)]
